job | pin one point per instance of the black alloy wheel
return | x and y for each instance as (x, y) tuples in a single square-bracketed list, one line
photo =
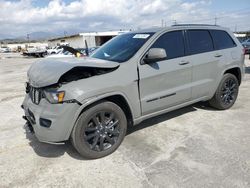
[(102, 131), (226, 93), (229, 91), (99, 130)]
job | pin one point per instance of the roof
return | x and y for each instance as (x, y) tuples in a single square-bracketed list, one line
[(64, 37), (150, 30), (179, 26), (190, 25), (104, 33)]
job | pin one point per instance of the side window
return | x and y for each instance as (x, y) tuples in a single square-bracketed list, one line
[(199, 41), (222, 40), (172, 42)]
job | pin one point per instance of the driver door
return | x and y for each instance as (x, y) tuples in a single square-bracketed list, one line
[(166, 83)]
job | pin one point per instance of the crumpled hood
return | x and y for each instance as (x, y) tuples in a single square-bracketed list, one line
[(48, 71)]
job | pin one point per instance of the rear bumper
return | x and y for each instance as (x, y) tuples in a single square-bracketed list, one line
[(60, 116)]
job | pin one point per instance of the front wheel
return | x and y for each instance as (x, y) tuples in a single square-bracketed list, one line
[(99, 130), (227, 92)]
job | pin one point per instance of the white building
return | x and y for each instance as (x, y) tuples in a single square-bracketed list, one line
[(93, 39)]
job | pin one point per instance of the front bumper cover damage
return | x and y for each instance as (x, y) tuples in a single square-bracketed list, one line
[(60, 115)]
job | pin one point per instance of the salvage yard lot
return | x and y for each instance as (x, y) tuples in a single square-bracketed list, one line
[(195, 146)]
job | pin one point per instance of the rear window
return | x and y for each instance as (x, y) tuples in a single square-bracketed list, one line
[(200, 41), (222, 40)]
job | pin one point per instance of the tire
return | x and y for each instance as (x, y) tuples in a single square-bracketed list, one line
[(226, 93), (99, 130)]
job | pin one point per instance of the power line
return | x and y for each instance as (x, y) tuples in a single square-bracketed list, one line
[(239, 10), (223, 15)]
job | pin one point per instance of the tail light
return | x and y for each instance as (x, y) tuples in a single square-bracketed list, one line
[(244, 51)]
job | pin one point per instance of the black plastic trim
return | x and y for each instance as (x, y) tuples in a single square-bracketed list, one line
[(161, 97)]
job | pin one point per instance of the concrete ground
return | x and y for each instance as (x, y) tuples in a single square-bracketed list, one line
[(195, 146)]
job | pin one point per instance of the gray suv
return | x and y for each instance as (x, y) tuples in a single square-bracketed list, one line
[(133, 77)]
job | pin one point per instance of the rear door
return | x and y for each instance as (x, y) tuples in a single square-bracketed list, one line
[(225, 45), (166, 83), (205, 62)]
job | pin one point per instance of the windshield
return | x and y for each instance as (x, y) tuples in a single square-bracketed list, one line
[(122, 47)]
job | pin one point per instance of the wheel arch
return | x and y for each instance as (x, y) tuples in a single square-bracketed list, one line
[(118, 98), (236, 71)]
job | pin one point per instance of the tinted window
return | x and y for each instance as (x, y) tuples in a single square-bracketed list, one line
[(122, 47), (172, 42), (199, 41), (222, 39)]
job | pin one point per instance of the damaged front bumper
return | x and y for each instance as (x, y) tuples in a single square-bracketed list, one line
[(51, 123)]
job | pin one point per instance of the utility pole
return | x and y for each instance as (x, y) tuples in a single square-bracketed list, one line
[(162, 22), (215, 20), (235, 29), (28, 38)]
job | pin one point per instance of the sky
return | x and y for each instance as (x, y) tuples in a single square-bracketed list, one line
[(21, 17)]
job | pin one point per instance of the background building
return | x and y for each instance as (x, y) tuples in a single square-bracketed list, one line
[(93, 39)]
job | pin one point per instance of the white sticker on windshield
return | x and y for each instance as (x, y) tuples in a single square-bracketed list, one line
[(141, 36)]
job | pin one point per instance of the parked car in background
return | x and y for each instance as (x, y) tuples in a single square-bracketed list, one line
[(87, 51), (66, 52), (55, 50), (134, 76), (247, 50), (35, 51), (246, 45), (61, 54), (5, 49), (246, 42), (93, 49), (83, 51)]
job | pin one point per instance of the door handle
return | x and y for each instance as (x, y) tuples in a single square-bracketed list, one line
[(217, 55), (184, 63)]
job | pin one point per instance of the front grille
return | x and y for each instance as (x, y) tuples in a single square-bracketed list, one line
[(35, 94)]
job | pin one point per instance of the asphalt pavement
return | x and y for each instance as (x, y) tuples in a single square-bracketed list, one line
[(196, 146)]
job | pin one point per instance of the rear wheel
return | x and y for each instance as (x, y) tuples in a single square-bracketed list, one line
[(227, 92), (99, 130)]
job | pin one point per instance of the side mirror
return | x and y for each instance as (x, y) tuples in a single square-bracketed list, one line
[(155, 54)]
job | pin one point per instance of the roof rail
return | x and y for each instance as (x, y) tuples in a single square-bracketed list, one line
[(193, 25)]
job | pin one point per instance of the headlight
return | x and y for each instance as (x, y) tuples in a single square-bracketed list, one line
[(54, 96)]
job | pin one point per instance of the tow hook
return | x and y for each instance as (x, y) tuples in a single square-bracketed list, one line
[(31, 130), (28, 125)]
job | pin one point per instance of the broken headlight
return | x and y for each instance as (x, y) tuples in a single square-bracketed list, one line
[(54, 97)]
